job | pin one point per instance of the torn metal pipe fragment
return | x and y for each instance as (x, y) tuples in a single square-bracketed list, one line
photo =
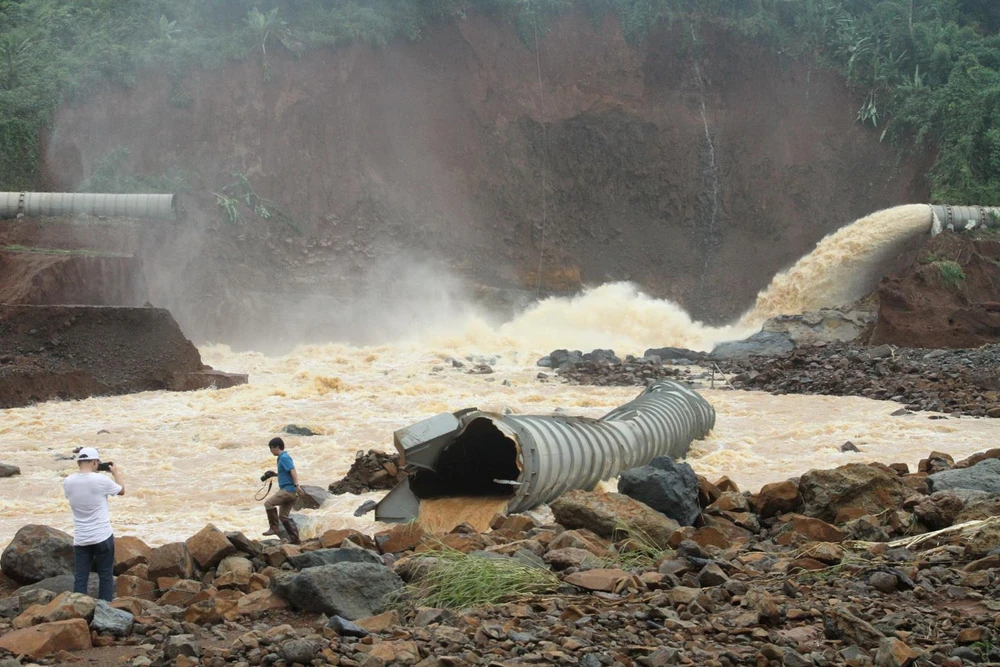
[(533, 460)]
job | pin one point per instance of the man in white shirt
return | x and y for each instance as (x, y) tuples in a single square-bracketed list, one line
[(93, 537)]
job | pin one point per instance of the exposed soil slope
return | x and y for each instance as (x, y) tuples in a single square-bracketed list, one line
[(72, 352), (696, 176), (49, 279), (949, 297)]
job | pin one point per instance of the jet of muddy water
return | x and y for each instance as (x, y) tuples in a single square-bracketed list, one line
[(844, 265)]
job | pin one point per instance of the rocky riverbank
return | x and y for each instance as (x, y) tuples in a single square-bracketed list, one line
[(959, 382), (837, 567)]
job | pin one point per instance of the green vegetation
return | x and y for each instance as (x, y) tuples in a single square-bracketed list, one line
[(926, 72), (951, 273), (460, 581), (241, 190)]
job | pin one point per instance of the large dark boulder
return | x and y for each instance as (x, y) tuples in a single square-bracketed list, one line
[(37, 552), (668, 487), (349, 590), (559, 358), (984, 476), (8, 470), (321, 557)]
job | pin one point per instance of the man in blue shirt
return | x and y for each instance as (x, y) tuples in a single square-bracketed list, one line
[(279, 505)]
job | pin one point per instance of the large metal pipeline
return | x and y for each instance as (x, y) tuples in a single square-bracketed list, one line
[(535, 459), (963, 218), (13, 204)]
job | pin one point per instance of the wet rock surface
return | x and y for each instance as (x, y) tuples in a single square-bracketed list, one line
[(959, 382), (836, 567)]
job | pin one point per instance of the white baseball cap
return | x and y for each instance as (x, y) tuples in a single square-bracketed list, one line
[(88, 454)]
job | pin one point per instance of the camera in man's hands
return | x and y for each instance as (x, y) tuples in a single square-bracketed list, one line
[(268, 475), (105, 467)]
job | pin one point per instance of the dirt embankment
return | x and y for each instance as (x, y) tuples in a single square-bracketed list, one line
[(949, 297), (72, 352), (696, 176), (86, 261)]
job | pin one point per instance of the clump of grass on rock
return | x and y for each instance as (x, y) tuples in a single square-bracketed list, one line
[(457, 580)]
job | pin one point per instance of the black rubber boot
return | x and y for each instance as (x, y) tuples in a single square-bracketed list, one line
[(292, 530), (272, 522)]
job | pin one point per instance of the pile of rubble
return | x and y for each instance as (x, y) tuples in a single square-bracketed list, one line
[(837, 567), (603, 368), (964, 382), (961, 382)]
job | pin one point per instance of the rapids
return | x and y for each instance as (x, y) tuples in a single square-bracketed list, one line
[(193, 458)]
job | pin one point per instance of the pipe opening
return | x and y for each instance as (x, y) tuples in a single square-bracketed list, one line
[(470, 464)]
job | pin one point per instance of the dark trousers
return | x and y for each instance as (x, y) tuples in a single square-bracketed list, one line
[(98, 557)]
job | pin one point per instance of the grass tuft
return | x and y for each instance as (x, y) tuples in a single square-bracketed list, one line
[(461, 581), (951, 273), (637, 550)]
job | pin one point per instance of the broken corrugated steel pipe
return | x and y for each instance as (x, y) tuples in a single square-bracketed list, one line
[(534, 459), (13, 204), (963, 218)]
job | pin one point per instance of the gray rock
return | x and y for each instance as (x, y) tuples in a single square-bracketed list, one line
[(351, 590), (300, 651), (345, 628), (312, 497), (792, 658), (602, 355), (303, 431), (762, 343), (880, 352), (10, 606), (560, 358), (179, 645), (883, 581), (36, 553), (672, 353), (117, 622), (7, 470), (668, 487), (61, 584), (331, 556), (984, 476)]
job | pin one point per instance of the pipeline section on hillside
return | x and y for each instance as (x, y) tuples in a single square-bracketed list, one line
[(34, 204), (535, 459), (963, 218)]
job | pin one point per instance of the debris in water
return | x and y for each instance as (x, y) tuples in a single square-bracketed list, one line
[(371, 471)]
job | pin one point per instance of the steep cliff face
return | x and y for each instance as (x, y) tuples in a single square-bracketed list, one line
[(696, 165)]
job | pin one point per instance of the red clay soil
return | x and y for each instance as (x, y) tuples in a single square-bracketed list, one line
[(50, 279), (72, 352), (920, 307), (696, 176)]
